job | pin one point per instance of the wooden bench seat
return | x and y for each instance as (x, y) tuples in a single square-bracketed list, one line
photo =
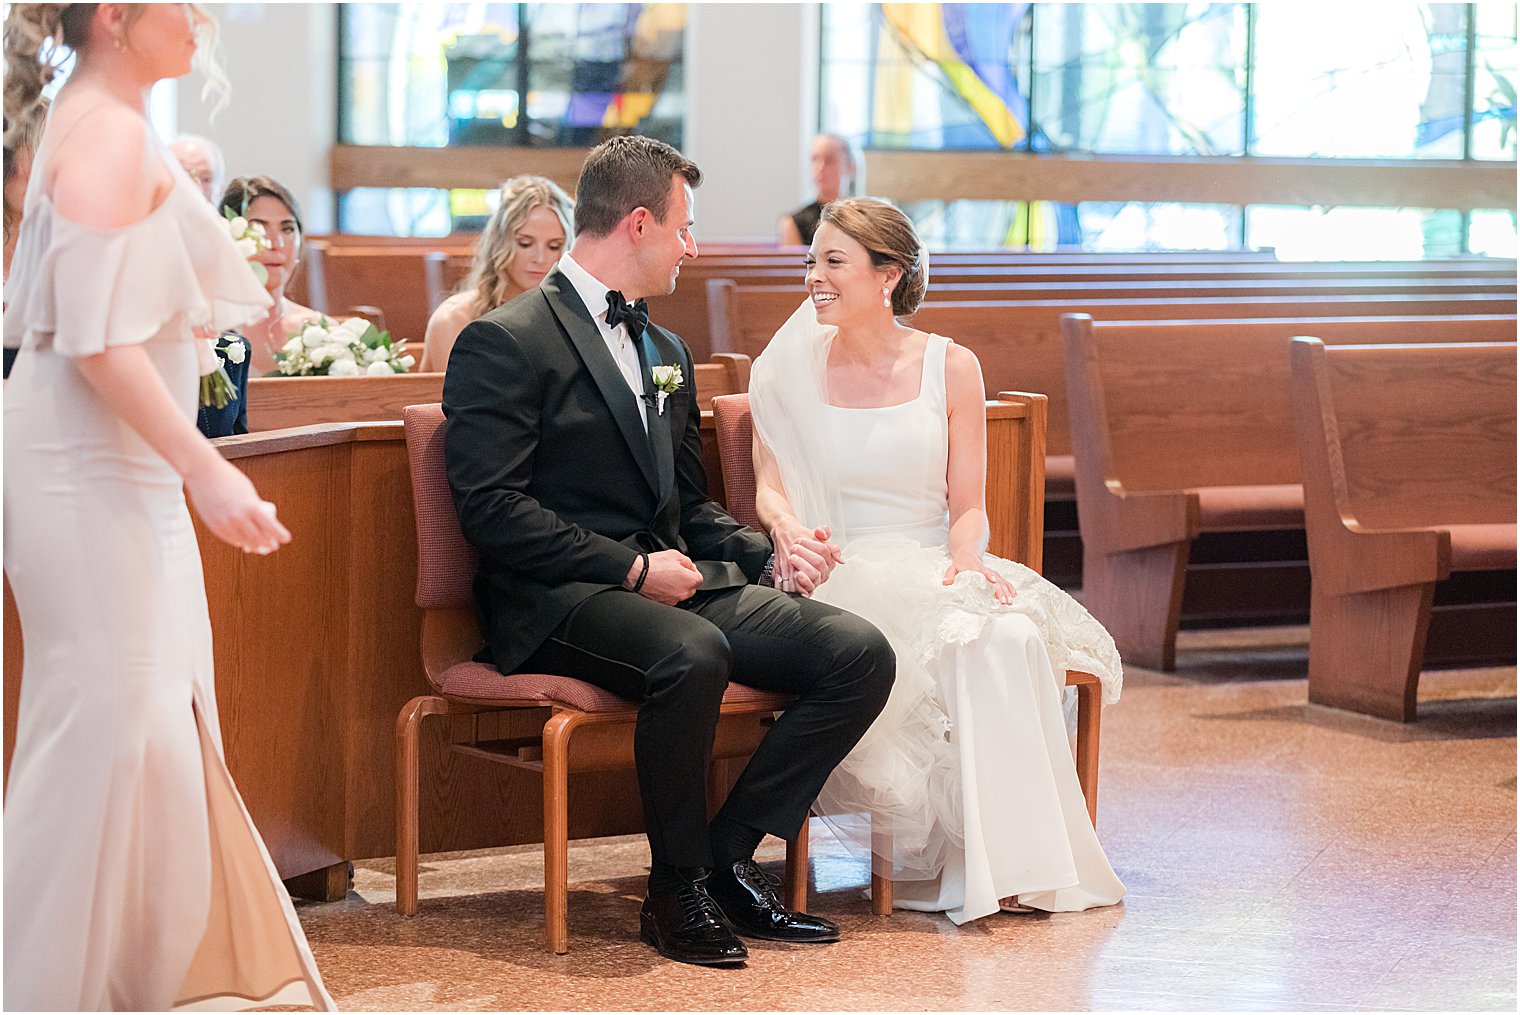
[(1186, 428), (1408, 459)]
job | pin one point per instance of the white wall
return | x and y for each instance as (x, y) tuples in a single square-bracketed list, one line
[(282, 120), (751, 97)]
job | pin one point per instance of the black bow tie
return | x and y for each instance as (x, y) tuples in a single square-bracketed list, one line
[(620, 311)]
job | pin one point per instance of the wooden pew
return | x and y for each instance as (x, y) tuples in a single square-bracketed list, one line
[(1408, 459), (1182, 428), (316, 650), (278, 402)]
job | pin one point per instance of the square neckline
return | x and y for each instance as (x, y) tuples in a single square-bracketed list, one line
[(923, 380)]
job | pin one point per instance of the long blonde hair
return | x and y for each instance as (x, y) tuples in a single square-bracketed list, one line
[(519, 196), (38, 36)]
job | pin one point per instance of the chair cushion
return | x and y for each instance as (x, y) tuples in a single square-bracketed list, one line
[(481, 684), (1250, 508), (1482, 547), (1061, 476)]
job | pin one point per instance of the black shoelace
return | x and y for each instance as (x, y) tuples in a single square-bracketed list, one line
[(765, 882), (697, 906)]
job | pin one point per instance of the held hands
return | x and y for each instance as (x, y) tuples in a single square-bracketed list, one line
[(804, 557), (1001, 590), (232, 509), (672, 577)]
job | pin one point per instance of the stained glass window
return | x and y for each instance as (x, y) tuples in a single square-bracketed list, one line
[(429, 75), (1348, 233), (1494, 67), (1163, 79)]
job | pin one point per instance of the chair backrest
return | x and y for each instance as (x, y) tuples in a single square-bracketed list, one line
[(445, 559), (736, 433)]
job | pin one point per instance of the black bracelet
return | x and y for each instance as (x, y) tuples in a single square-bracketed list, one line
[(642, 574)]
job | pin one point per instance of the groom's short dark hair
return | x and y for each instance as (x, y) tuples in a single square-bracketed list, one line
[(625, 173)]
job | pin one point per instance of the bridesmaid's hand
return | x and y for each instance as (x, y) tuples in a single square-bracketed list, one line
[(231, 508), (1001, 590)]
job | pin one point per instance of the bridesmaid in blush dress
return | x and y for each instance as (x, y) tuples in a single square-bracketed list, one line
[(134, 879)]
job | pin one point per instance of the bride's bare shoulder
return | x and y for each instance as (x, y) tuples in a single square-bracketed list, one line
[(963, 373)]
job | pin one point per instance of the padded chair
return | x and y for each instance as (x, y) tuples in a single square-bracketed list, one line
[(735, 428), (583, 729)]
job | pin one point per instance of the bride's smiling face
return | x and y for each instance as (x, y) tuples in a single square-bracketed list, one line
[(845, 287)]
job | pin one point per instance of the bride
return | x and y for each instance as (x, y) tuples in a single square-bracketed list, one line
[(878, 431)]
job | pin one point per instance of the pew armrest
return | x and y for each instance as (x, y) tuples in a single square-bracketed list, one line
[(1141, 519), (1371, 560)]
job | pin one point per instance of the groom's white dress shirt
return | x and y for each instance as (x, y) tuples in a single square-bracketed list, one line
[(619, 342)]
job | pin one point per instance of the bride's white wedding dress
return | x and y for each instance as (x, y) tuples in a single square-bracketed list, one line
[(968, 769)]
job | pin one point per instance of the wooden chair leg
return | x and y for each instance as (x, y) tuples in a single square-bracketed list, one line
[(1137, 595), (796, 886), (557, 829), (881, 870), (1089, 717), (408, 773), (1365, 650)]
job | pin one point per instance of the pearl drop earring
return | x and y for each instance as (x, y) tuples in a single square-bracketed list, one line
[(886, 296)]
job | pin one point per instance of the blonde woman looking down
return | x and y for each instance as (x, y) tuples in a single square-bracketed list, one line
[(134, 878), (521, 243)]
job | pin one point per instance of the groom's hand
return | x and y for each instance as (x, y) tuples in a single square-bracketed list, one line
[(672, 577)]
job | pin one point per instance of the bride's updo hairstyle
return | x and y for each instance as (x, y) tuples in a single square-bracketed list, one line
[(889, 237), (39, 37)]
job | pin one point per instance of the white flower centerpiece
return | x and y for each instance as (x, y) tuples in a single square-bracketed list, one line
[(355, 347), (216, 386)]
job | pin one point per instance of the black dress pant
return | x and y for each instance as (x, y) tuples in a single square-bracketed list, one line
[(677, 660)]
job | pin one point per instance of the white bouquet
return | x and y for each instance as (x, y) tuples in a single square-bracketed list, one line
[(352, 348), (216, 386), (250, 239)]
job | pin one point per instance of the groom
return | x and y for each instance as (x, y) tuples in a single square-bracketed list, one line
[(602, 558)]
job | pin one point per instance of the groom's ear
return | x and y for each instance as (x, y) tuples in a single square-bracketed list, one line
[(639, 222)]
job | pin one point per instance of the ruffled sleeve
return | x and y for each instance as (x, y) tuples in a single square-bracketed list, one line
[(85, 289)]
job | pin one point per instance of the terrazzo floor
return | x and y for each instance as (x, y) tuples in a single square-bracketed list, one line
[(1279, 856)]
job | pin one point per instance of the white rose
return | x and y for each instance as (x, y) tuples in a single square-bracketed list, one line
[(407, 361), (343, 368), (247, 247), (314, 335), (378, 370), (357, 325), (238, 225), (379, 354), (293, 346), (236, 352)]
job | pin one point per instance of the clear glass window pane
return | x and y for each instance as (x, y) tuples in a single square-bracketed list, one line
[(1164, 79), (395, 211), (1136, 225), (1360, 79), (1494, 83), (1354, 234), (1492, 233)]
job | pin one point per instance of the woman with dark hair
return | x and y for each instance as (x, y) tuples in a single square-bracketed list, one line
[(265, 202), (878, 431), (134, 878)]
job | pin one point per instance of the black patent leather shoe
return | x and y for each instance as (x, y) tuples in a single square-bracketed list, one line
[(748, 898), (685, 924)]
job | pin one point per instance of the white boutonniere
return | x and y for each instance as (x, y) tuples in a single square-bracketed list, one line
[(667, 381)]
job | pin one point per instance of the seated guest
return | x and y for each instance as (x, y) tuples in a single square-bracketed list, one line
[(19, 145), (265, 202), (836, 172), (521, 243), (203, 160)]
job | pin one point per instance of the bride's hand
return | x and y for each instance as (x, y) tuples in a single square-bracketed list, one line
[(1001, 590), (804, 557)]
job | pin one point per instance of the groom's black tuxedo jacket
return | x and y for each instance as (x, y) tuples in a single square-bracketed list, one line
[(557, 484)]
